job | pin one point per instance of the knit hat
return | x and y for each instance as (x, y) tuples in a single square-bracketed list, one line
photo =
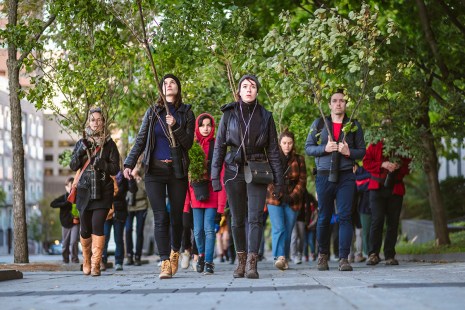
[(175, 78), (249, 77)]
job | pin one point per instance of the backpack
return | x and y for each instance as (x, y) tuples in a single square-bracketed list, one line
[(321, 124)]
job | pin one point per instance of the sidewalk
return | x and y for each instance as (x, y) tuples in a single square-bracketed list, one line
[(411, 285)]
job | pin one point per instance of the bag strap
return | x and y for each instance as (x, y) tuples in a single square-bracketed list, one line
[(76, 180), (243, 146), (210, 156)]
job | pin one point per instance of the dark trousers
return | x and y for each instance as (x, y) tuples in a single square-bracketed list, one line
[(168, 226), (342, 194), (246, 202), (118, 230), (188, 240), (92, 222), (384, 206), (140, 223)]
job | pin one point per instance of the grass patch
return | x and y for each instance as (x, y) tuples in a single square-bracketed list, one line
[(457, 245)]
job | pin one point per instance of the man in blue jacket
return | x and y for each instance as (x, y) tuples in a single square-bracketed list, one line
[(335, 180)]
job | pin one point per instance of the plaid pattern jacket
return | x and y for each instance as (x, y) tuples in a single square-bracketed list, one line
[(295, 182)]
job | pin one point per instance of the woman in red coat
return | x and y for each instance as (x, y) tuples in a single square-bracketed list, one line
[(385, 200), (205, 211)]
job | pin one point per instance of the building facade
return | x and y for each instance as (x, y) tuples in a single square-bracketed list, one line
[(33, 139)]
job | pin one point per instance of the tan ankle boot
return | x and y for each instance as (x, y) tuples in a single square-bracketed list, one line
[(98, 242), (251, 266), (174, 260), (165, 270), (86, 254), (240, 269)]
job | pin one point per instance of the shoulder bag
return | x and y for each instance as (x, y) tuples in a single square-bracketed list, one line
[(72, 195)]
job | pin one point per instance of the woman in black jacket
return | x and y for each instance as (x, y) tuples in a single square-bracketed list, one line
[(246, 124), (154, 141), (95, 187)]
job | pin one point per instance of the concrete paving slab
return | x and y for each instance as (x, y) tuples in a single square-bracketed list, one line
[(411, 285)]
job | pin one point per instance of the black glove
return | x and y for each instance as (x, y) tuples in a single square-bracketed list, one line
[(217, 218), (100, 164), (83, 146), (278, 191), (216, 184)]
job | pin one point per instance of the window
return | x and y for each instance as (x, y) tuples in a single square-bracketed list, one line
[(8, 118), (48, 172), (48, 157), (24, 125), (40, 149), (32, 125), (65, 172), (66, 143), (48, 143)]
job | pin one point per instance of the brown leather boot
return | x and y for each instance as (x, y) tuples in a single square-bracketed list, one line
[(240, 269), (251, 266), (98, 242), (174, 261), (86, 245)]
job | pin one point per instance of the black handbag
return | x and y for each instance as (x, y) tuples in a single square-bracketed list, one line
[(258, 172), (178, 166)]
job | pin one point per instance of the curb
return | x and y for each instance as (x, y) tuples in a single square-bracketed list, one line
[(6, 275), (433, 258)]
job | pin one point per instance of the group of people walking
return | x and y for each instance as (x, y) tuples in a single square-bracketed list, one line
[(248, 167)]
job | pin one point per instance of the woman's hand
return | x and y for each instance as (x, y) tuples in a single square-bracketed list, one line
[(127, 172), (170, 120)]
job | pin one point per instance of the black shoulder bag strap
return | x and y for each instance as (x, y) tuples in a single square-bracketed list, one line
[(210, 156)]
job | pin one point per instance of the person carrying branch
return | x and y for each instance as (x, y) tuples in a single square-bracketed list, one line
[(165, 137), (335, 153)]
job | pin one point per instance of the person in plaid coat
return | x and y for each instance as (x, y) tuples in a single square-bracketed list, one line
[(283, 211)]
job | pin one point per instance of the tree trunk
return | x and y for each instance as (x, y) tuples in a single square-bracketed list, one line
[(431, 169), (21, 253)]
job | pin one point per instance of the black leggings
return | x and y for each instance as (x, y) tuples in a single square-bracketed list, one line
[(157, 183), (246, 202), (92, 222)]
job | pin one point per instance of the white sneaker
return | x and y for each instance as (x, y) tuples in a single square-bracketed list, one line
[(298, 259), (194, 264), (185, 259)]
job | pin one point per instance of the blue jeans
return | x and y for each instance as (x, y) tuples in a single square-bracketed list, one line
[(341, 195), (118, 229), (140, 219), (283, 219), (311, 236), (204, 231)]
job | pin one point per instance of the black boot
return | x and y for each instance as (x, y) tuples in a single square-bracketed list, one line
[(129, 260), (137, 261), (200, 264)]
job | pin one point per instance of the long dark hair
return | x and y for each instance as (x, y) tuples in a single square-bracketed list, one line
[(288, 134), (177, 100)]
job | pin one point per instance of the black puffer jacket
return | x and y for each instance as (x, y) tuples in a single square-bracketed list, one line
[(265, 144), (111, 156), (66, 218), (183, 131)]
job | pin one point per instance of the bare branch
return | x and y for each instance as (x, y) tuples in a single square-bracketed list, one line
[(430, 38)]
